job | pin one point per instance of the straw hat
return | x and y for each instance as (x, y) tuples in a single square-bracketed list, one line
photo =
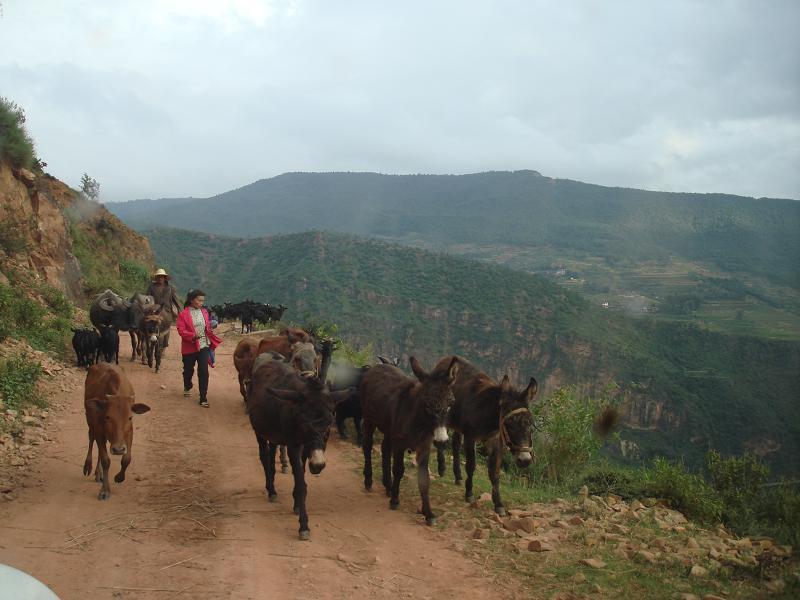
[(160, 272)]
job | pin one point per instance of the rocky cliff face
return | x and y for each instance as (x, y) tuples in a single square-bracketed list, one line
[(39, 216)]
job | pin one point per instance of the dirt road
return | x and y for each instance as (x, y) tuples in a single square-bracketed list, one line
[(192, 519)]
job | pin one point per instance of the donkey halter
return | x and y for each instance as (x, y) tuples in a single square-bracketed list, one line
[(505, 440)]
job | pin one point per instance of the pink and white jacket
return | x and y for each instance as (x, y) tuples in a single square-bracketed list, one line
[(189, 342)]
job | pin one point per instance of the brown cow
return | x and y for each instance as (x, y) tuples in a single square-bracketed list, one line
[(243, 357), (109, 403), (296, 334), (279, 343)]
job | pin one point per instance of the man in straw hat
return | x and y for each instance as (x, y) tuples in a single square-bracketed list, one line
[(165, 294)]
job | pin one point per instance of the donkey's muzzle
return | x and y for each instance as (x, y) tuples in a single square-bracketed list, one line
[(523, 459)]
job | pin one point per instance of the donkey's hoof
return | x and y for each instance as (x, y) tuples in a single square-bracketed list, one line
[(431, 521), (469, 498), (284, 469), (305, 535), (87, 468), (458, 480), (393, 504), (368, 487), (103, 495), (272, 497), (119, 477), (500, 510)]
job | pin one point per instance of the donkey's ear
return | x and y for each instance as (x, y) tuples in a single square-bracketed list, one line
[(417, 369), (452, 371), (531, 390), (505, 385), (291, 395)]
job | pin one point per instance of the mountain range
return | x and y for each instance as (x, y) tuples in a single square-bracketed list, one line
[(684, 390)]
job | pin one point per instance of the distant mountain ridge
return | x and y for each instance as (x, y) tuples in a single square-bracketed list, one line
[(524, 208), (689, 389)]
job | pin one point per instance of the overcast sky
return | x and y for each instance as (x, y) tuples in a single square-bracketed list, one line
[(161, 98)]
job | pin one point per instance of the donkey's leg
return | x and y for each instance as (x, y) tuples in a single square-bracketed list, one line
[(398, 468), (271, 493), (469, 451), (299, 493), (457, 456), (424, 482), (386, 464), (340, 426), (493, 460), (284, 460), (158, 355), (265, 453), (359, 434), (133, 344), (366, 446), (441, 463)]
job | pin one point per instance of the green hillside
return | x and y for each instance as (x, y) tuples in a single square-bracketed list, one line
[(653, 254), (687, 389)]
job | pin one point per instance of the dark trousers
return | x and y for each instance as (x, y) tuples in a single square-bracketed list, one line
[(201, 358)]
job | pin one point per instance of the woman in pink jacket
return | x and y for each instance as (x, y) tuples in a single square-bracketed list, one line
[(197, 343)]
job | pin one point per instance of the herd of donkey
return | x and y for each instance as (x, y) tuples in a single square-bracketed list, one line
[(292, 397)]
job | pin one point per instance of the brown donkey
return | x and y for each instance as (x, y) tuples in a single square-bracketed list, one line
[(492, 413), (295, 412), (410, 413)]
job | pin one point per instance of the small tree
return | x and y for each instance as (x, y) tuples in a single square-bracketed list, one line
[(90, 187), (566, 421), (16, 146)]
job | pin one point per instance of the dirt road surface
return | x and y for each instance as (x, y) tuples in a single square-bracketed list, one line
[(192, 519)]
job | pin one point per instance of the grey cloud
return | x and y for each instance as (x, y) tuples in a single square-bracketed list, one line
[(156, 101)]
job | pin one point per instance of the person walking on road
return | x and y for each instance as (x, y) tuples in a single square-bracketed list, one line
[(197, 342)]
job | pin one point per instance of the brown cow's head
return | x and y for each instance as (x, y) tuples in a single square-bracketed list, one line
[(117, 414), (516, 422), (437, 395)]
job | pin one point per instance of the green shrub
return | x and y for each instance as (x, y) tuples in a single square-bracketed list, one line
[(55, 299), (16, 146), (18, 377), (777, 513), (605, 479), (23, 317), (12, 240), (566, 440), (687, 492), (135, 276), (27, 313), (738, 481)]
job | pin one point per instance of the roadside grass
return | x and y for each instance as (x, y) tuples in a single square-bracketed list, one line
[(548, 574)]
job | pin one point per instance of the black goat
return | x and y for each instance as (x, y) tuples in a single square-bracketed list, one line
[(109, 344), (86, 344)]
